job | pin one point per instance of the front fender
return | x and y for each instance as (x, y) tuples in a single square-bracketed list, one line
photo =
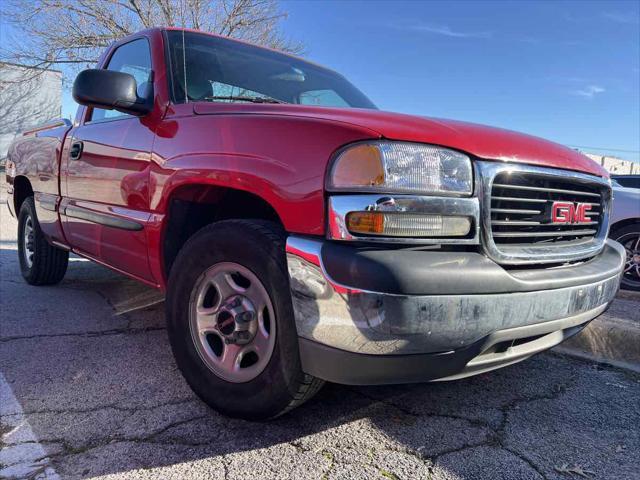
[(281, 159), (270, 180)]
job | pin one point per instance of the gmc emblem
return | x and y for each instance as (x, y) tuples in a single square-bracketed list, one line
[(569, 212)]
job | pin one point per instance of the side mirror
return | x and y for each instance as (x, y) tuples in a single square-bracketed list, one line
[(110, 90)]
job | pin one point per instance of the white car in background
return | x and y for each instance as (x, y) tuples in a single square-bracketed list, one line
[(625, 225)]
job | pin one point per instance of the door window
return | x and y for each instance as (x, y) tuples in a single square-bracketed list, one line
[(133, 58)]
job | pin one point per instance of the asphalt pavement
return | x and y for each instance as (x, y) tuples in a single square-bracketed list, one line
[(89, 389)]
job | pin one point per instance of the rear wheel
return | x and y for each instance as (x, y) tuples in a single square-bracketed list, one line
[(230, 321), (40, 262), (629, 237)]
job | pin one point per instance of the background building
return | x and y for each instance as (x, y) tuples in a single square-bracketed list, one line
[(616, 165), (27, 99)]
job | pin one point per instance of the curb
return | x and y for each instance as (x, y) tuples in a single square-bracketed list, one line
[(612, 338)]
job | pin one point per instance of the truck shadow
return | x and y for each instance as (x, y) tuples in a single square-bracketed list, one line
[(102, 394)]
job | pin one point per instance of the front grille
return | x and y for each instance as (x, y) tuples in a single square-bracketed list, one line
[(521, 210), (533, 215)]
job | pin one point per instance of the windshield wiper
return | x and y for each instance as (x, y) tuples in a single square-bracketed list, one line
[(233, 98)]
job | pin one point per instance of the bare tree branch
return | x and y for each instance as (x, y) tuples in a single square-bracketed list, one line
[(73, 33)]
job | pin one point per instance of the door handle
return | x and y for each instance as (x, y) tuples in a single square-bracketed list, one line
[(75, 152)]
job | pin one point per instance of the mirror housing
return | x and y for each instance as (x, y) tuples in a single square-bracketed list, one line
[(110, 90)]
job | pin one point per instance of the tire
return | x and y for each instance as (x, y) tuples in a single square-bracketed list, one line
[(249, 255), (629, 237), (40, 262)]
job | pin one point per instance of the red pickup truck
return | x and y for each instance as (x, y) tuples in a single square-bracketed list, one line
[(300, 234)]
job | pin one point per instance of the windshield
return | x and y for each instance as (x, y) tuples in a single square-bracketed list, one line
[(221, 70)]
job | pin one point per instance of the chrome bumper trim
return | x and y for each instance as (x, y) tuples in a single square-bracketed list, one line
[(340, 205), (378, 323)]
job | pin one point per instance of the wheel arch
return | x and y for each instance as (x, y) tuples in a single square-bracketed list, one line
[(22, 190), (623, 223), (191, 207)]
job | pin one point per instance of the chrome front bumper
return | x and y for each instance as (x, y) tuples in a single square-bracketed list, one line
[(510, 324)]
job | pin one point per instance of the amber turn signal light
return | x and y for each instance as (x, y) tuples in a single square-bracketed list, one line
[(398, 224), (361, 166)]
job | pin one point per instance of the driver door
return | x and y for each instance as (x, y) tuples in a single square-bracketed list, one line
[(105, 179)]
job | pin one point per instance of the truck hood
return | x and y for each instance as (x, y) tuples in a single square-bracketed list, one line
[(479, 140)]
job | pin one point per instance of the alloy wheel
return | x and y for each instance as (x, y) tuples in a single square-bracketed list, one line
[(631, 244)]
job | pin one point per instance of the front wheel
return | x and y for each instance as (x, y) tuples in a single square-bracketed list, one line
[(230, 321), (40, 262), (629, 237)]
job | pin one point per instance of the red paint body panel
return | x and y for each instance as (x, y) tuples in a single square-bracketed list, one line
[(36, 156), (281, 159), (482, 141), (131, 167), (111, 177)]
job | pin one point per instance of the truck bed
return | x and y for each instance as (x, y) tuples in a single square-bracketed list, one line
[(36, 157)]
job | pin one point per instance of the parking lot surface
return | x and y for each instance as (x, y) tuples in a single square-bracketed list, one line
[(89, 389)]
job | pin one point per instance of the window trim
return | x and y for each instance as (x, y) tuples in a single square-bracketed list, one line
[(168, 64), (105, 66)]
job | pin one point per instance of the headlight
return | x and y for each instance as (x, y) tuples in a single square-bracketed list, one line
[(401, 167)]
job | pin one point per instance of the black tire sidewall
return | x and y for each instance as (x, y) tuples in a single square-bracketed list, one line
[(273, 389), (27, 209)]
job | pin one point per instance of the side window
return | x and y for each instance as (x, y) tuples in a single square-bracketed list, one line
[(631, 182), (133, 58)]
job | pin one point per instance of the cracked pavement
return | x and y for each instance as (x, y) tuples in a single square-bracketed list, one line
[(89, 389)]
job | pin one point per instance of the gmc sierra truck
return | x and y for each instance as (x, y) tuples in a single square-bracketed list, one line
[(300, 234)]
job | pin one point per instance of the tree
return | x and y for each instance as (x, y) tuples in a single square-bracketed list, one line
[(73, 33), (27, 103)]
